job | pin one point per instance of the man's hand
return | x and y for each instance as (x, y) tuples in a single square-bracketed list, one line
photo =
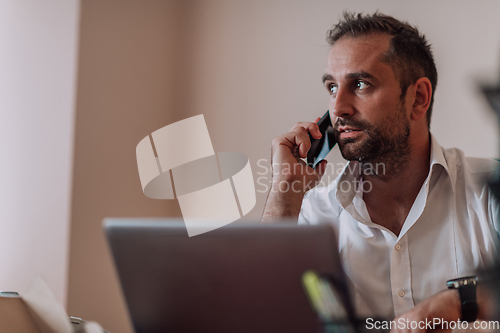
[(292, 177), (287, 151), (443, 306)]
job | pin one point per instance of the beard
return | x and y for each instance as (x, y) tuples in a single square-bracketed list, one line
[(387, 143)]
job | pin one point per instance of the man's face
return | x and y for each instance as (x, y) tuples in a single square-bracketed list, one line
[(371, 122)]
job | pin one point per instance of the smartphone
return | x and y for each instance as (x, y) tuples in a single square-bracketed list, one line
[(322, 146)]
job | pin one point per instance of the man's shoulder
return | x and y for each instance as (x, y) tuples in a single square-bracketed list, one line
[(469, 171), (321, 194), (472, 165), (320, 203), (472, 175)]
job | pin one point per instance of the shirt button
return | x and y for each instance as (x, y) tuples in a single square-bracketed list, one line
[(397, 247), (401, 293)]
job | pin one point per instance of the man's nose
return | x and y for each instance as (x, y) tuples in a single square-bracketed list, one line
[(341, 105)]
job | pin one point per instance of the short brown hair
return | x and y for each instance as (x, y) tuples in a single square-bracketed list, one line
[(409, 54)]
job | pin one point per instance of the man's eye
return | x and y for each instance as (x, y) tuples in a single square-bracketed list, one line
[(334, 89), (362, 85)]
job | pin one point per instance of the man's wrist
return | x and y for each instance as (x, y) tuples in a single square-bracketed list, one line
[(282, 204), (466, 287)]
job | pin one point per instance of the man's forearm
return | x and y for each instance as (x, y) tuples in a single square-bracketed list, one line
[(281, 205)]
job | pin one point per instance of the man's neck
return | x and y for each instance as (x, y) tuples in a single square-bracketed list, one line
[(393, 193)]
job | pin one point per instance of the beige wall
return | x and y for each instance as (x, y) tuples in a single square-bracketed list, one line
[(253, 68), (126, 90), (38, 49)]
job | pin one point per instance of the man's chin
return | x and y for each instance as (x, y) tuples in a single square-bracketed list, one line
[(350, 150), (350, 156)]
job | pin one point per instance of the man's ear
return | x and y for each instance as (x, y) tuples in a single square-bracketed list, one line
[(423, 94)]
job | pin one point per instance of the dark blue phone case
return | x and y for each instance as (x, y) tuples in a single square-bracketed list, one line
[(322, 146)]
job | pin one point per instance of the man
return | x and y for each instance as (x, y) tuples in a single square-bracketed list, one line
[(414, 215)]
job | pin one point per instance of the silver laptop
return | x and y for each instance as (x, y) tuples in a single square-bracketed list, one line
[(239, 278)]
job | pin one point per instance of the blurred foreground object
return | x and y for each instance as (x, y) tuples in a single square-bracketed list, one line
[(492, 94), (37, 311), (491, 277)]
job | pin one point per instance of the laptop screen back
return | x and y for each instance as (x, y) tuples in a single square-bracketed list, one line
[(239, 278)]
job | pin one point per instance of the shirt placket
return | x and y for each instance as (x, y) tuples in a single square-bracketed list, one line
[(402, 297)]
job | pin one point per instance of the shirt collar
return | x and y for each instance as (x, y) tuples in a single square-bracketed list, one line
[(438, 157), (347, 184)]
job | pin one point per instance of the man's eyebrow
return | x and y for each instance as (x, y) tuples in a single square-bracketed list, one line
[(360, 75), (351, 76), (327, 77)]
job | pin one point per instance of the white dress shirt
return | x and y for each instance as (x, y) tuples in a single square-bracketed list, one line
[(450, 231)]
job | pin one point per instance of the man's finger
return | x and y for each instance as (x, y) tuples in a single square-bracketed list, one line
[(301, 138), (296, 140), (312, 128)]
